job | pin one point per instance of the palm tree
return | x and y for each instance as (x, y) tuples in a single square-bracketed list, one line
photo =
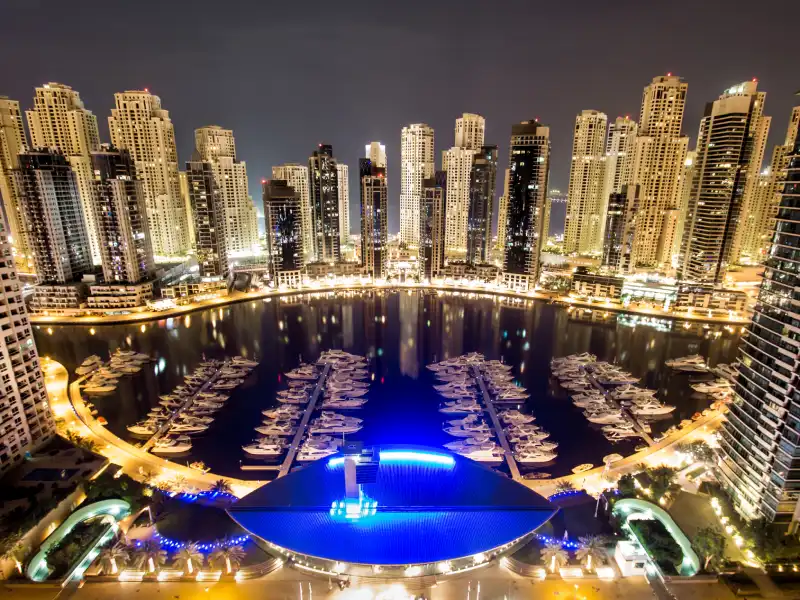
[(221, 486), (17, 553), (231, 556), (188, 556), (564, 486), (592, 550), (112, 558), (150, 555), (555, 554), (178, 483)]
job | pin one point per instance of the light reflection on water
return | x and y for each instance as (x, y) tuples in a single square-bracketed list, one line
[(400, 332)]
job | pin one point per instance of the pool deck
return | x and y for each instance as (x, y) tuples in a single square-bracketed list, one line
[(498, 427), (303, 426)]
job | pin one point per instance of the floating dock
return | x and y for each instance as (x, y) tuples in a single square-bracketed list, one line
[(294, 447), (189, 401), (625, 412), (498, 427)]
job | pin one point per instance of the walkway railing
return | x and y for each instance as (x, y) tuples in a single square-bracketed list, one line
[(498, 427)]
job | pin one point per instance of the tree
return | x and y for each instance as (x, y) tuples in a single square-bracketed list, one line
[(221, 486), (702, 451), (626, 486), (709, 543), (564, 486), (189, 556), (231, 556), (16, 552), (662, 477), (554, 555), (113, 558), (592, 550), (150, 556), (178, 483)]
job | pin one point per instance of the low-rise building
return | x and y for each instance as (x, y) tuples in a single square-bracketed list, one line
[(318, 270), (58, 298), (710, 298), (193, 291), (457, 269), (119, 296), (593, 286)]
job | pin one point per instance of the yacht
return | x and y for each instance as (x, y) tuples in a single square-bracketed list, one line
[(280, 428), (483, 453), (526, 457), (650, 407), (727, 372), (694, 363), (266, 447), (605, 416), (144, 428), (629, 392), (188, 427), (584, 358), (536, 445), (227, 384), (713, 387), (305, 373), (168, 445), (283, 412), (468, 430), (308, 453), (470, 444), (456, 408), (100, 388), (512, 416), (344, 403), (590, 402), (239, 360)]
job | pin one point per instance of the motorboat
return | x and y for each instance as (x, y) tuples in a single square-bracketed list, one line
[(720, 385), (311, 453), (650, 407), (605, 417), (280, 428), (582, 468), (456, 408), (469, 445), (269, 446), (283, 412), (583, 358), (187, 427), (527, 457), (491, 454), (305, 373), (240, 360), (469, 419), (344, 403), (536, 445), (727, 372), (227, 384), (143, 428), (465, 442), (629, 392), (693, 364), (468, 430), (169, 445), (100, 388)]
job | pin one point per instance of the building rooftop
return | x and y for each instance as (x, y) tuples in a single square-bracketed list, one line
[(420, 506)]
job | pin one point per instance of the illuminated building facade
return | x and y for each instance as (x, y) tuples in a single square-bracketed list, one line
[(481, 199), (374, 218), (283, 221), (209, 219), (296, 176), (12, 143), (433, 214), (323, 189), (416, 165), (343, 178)]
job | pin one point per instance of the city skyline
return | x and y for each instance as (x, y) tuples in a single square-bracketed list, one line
[(272, 131)]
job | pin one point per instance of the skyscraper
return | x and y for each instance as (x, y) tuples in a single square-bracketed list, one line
[(502, 211), (529, 164), (139, 125), (60, 120), (374, 218), (12, 142), (683, 204), (761, 217), (296, 176), (729, 142), (376, 152), (24, 410), (659, 155), (416, 164), (52, 211), (343, 178), (759, 439), (120, 216), (323, 188), (619, 228), (433, 215), (457, 161), (481, 198), (217, 146), (469, 132), (583, 226), (209, 219), (283, 221), (620, 145)]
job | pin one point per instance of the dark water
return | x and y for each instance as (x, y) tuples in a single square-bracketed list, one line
[(400, 332)]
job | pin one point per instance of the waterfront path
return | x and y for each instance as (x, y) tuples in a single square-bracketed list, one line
[(144, 314), (67, 403), (625, 412), (498, 427), (303, 425)]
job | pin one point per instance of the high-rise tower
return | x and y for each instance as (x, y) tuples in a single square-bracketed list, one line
[(481, 198), (343, 179), (584, 227), (139, 125), (529, 164), (433, 214), (24, 409), (296, 177), (759, 440), (12, 143), (323, 188), (502, 211), (469, 132), (52, 210), (209, 219), (120, 216), (283, 221), (218, 146), (730, 143), (620, 145), (416, 164), (59, 120), (374, 218), (659, 155)]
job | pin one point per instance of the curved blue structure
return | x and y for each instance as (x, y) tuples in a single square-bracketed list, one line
[(415, 506)]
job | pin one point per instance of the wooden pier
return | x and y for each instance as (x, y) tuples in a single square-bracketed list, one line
[(286, 466), (498, 427), (625, 412)]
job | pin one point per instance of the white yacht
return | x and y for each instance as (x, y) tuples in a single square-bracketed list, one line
[(584, 358), (650, 407), (279, 428), (513, 416), (145, 428), (712, 387), (536, 445), (605, 416), (693, 364), (169, 445), (629, 392), (266, 447), (284, 412), (526, 457), (457, 408), (468, 430), (344, 403), (487, 454), (188, 427)]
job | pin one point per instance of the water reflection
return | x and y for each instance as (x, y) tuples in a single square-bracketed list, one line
[(400, 332)]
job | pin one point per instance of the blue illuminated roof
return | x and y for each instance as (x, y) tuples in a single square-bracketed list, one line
[(431, 506)]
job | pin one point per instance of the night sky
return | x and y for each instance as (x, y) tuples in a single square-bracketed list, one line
[(287, 76)]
